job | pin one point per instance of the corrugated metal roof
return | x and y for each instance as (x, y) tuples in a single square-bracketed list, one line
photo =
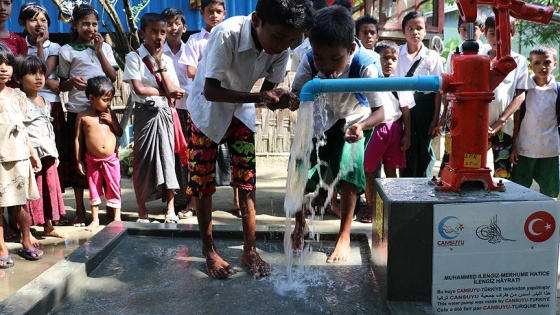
[(194, 20)]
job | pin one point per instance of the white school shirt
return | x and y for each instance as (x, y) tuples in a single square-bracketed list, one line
[(85, 63), (538, 133), (392, 106), (231, 58), (504, 93), (135, 69), (49, 49), (431, 64), (341, 105), (194, 49), (180, 70), (298, 53)]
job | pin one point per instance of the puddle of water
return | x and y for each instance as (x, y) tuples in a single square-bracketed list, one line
[(162, 275)]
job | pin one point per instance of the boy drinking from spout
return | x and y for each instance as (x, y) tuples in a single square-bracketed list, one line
[(97, 129), (240, 50), (350, 117)]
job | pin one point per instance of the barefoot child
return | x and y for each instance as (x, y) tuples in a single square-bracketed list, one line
[(154, 84), (18, 160), (30, 74), (240, 50), (87, 56), (349, 117), (97, 129)]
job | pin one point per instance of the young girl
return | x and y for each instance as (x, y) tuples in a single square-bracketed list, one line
[(85, 57), (415, 59), (30, 74), (36, 21), (18, 161)]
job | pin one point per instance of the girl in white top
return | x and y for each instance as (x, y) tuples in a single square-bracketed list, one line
[(30, 74), (424, 107), (36, 21), (85, 57)]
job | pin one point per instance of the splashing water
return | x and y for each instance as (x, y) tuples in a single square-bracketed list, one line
[(312, 121)]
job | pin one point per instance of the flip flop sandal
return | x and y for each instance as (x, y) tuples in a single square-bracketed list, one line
[(367, 217), (28, 254), (170, 219), (185, 214), (6, 262)]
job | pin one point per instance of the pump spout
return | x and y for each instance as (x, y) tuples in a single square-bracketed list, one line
[(316, 86)]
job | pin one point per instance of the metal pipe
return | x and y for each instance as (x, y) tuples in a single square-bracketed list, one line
[(427, 83)]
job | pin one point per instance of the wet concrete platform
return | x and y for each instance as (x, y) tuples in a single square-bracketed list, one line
[(131, 268)]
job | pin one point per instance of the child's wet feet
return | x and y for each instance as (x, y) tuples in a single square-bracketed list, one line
[(341, 251), (258, 267), (217, 267), (53, 233)]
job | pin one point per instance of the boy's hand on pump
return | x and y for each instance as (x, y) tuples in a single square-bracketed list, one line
[(353, 133)]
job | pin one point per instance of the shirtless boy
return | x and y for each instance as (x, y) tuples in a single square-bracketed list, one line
[(97, 129)]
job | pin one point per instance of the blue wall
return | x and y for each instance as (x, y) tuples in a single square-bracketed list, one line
[(194, 20)]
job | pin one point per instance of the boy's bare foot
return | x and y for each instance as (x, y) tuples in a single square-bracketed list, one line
[(79, 221), (298, 236), (254, 262), (217, 267), (341, 250), (53, 233), (92, 226)]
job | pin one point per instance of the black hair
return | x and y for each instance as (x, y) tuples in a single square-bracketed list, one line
[(174, 13), (98, 86), (6, 55), (151, 18), (410, 16), (29, 11), (366, 19), (78, 13), (386, 44), (543, 50), (319, 4), (28, 64), (491, 23), (296, 14), (334, 26), (480, 19), (205, 3), (344, 3)]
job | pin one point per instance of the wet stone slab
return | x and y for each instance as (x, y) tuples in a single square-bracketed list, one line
[(162, 271)]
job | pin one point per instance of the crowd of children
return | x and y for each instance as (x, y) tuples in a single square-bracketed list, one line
[(190, 89)]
